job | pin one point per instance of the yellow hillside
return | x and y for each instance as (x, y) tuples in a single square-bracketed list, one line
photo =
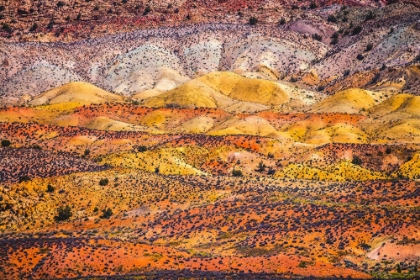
[(318, 132), (222, 90), (252, 125), (79, 93), (303, 172), (411, 169), (347, 101), (345, 170), (407, 130), (399, 106), (338, 133), (245, 89), (176, 161), (200, 124), (190, 94), (351, 171), (105, 123)]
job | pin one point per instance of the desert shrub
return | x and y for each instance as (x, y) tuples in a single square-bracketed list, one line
[(237, 173), (253, 20), (261, 167), (50, 25), (34, 27), (64, 213), (86, 152), (303, 264), (369, 47), (282, 21), (317, 37), (360, 57), (5, 143), (313, 5), (24, 178), (6, 28), (141, 148), (370, 16), (103, 182), (346, 73), (50, 188), (106, 213), (147, 10), (332, 18), (271, 171), (356, 160), (388, 150), (357, 30)]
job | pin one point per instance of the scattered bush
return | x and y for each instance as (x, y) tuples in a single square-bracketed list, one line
[(106, 214), (370, 16), (261, 167), (24, 178), (64, 213), (237, 173), (346, 73), (271, 171), (5, 143), (369, 47), (332, 18), (104, 182), (6, 28), (317, 37), (50, 188), (356, 160), (147, 10), (141, 148), (34, 27), (357, 30), (50, 25), (360, 57), (282, 21), (253, 20)]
